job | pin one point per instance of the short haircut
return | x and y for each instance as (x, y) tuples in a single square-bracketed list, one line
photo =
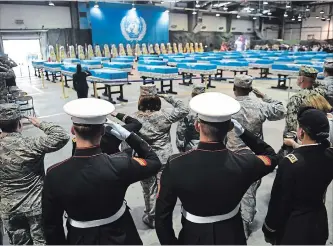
[(329, 71), (243, 91), (149, 103), (9, 126), (88, 132), (216, 131), (318, 102)]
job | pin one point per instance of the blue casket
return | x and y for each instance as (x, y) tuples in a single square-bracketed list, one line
[(127, 57), (285, 60), (52, 66), (68, 68), (195, 68), (90, 62), (231, 65), (108, 74), (99, 58), (152, 62), (118, 65), (71, 60), (160, 72), (128, 60), (37, 63)]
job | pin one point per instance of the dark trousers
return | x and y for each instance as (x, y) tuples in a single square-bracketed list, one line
[(82, 93)]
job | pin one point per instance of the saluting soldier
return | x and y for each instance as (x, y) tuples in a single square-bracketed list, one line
[(252, 115), (328, 80), (156, 125), (22, 174), (90, 186), (307, 82), (211, 180), (297, 213), (187, 137)]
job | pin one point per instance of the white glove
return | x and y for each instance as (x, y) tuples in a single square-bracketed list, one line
[(239, 130), (118, 131)]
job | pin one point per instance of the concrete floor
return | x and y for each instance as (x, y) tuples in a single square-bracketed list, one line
[(49, 101)]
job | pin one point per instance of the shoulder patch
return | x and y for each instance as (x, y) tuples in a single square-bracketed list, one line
[(265, 159), (141, 161), (292, 158)]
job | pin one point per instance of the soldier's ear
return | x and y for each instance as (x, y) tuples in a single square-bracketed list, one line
[(72, 130), (197, 126)]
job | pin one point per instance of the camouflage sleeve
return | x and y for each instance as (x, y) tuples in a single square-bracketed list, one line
[(273, 109), (180, 135), (56, 138), (291, 116), (8, 74), (179, 110)]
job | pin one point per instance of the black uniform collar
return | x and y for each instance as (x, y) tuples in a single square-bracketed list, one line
[(213, 146), (86, 152)]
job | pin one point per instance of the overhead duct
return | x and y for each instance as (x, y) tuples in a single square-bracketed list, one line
[(198, 23)]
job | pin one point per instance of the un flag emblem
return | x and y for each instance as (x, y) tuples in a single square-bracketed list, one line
[(133, 27)]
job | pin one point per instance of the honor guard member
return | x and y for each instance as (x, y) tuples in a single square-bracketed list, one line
[(90, 186), (211, 180), (296, 213), (187, 137), (252, 115), (307, 82), (22, 174), (156, 126), (328, 80)]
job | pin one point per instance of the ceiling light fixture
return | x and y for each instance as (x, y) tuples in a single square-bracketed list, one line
[(299, 19), (225, 8), (317, 17), (197, 5), (254, 17), (285, 14), (323, 18), (51, 3), (322, 11), (288, 6), (238, 16), (299, 16), (265, 3), (162, 2), (194, 12), (293, 18), (307, 8), (269, 13), (328, 18), (217, 14)]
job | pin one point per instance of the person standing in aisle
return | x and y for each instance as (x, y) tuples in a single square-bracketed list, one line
[(252, 115), (22, 174), (90, 186), (80, 82), (156, 125), (296, 213), (211, 180), (187, 137)]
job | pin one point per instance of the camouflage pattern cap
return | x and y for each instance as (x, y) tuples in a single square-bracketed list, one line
[(9, 112), (198, 89), (243, 81), (328, 64), (148, 90), (308, 72)]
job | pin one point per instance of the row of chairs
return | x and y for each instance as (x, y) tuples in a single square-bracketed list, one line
[(26, 102)]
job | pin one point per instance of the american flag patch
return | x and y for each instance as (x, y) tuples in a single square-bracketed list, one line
[(265, 159), (141, 161)]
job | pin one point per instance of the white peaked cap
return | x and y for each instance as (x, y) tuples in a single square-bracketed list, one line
[(214, 106), (89, 111)]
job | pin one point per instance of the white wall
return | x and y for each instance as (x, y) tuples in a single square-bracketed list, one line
[(214, 23), (34, 16), (292, 31), (270, 31), (317, 28), (245, 26), (178, 22)]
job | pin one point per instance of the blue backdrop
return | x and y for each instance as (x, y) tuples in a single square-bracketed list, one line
[(119, 23)]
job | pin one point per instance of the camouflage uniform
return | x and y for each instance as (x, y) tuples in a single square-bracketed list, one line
[(187, 137), (21, 177), (5, 73), (327, 83), (156, 132), (252, 115), (298, 99)]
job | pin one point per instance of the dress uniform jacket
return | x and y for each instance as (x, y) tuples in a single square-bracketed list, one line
[(91, 186), (296, 212), (109, 143), (210, 181)]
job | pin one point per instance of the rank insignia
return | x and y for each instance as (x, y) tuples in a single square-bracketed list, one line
[(292, 158)]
